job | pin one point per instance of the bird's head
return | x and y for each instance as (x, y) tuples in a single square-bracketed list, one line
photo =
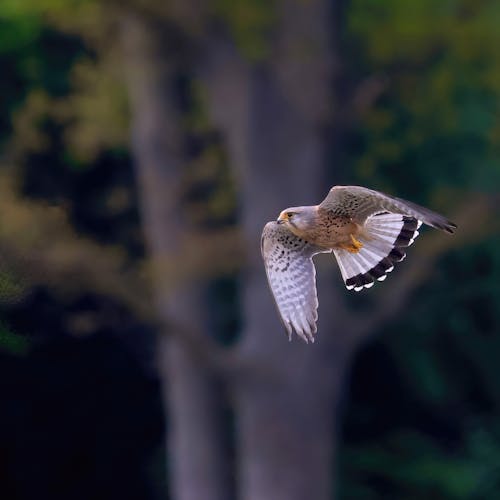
[(298, 218)]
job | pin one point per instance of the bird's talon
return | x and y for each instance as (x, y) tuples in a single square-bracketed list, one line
[(356, 244), (355, 247)]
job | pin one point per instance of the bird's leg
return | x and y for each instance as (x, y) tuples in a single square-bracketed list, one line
[(353, 247), (356, 245)]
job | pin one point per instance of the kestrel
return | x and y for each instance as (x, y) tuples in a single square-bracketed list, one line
[(366, 230)]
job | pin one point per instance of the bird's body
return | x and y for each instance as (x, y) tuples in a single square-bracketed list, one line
[(325, 229), (365, 229)]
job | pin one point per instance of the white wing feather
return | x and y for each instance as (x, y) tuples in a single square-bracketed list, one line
[(292, 278)]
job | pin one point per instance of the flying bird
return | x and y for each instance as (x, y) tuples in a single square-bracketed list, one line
[(366, 230)]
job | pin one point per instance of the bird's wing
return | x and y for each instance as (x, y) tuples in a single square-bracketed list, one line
[(292, 278), (360, 203)]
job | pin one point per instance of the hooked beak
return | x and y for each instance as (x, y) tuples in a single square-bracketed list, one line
[(282, 219)]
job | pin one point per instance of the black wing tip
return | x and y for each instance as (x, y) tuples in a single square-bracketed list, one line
[(450, 227), (443, 224), (447, 226), (408, 233), (360, 281)]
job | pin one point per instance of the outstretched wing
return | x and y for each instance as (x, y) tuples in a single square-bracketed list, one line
[(360, 203), (292, 278), (389, 226)]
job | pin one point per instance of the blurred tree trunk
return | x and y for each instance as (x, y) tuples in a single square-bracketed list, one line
[(276, 120), (196, 456)]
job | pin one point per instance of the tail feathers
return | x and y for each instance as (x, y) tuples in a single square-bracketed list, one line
[(384, 238)]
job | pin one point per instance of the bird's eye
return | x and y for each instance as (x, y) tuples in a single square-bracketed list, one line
[(290, 214)]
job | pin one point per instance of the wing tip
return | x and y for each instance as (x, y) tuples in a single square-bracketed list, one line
[(450, 227), (307, 335), (444, 225)]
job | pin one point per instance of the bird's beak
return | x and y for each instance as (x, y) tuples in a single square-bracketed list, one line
[(281, 219)]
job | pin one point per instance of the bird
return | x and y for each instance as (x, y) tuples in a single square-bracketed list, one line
[(366, 230)]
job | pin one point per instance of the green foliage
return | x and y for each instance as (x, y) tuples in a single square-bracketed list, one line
[(434, 134), (95, 114), (413, 31), (62, 82), (18, 32), (441, 122), (418, 468)]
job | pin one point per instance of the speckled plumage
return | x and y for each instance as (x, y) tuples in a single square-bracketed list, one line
[(292, 277), (365, 229)]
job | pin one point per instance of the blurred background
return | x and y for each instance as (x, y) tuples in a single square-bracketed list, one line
[(144, 144)]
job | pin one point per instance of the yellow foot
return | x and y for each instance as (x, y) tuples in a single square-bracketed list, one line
[(355, 247)]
